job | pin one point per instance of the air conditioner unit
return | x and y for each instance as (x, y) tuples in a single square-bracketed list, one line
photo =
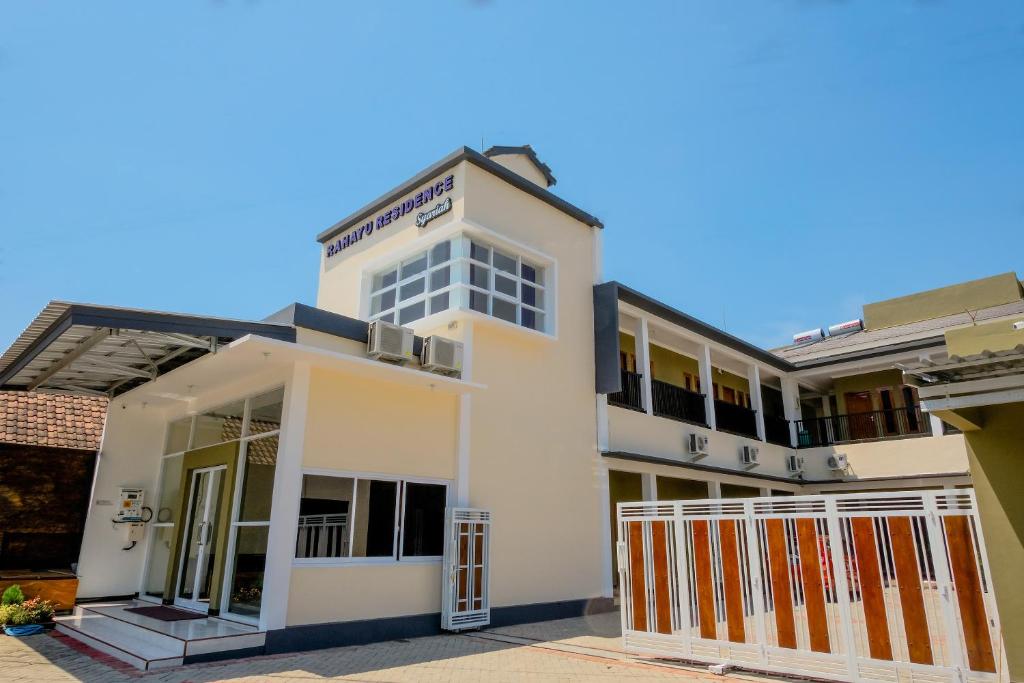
[(389, 342), (795, 463), (443, 356), (838, 462), (697, 445), (748, 455)]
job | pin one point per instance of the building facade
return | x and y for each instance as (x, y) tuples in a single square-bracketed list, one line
[(295, 484)]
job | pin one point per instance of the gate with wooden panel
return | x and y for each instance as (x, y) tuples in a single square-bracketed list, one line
[(464, 593), (858, 587)]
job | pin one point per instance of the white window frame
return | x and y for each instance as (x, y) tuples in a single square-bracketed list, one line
[(397, 556), (460, 286)]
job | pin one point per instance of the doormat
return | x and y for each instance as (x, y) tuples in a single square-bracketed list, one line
[(164, 613)]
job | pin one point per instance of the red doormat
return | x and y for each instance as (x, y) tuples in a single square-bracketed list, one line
[(164, 613)]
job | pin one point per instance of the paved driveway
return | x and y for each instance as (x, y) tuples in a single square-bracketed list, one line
[(566, 650)]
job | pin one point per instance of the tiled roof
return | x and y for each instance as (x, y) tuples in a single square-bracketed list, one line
[(63, 420), (893, 336)]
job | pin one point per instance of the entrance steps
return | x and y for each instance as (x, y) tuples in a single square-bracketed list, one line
[(148, 643)]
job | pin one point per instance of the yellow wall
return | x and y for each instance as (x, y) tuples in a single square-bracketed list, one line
[(935, 303), (868, 382), (995, 455), (673, 488), (995, 336)]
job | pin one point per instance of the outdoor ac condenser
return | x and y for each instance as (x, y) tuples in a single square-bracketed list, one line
[(443, 356), (697, 445), (795, 464), (838, 462), (748, 455), (390, 342)]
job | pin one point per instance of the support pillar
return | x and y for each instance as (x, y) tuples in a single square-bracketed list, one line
[(643, 364), (756, 402), (791, 407), (707, 384)]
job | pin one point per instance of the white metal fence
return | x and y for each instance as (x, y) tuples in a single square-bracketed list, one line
[(860, 587)]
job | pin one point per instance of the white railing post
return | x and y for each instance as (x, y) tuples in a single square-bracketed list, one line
[(944, 581), (756, 577), (837, 551), (643, 364), (707, 385)]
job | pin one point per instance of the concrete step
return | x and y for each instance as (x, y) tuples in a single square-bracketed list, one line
[(142, 649)]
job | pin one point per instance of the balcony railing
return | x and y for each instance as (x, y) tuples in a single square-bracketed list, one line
[(878, 424), (632, 390), (678, 403), (736, 419), (776, 430)]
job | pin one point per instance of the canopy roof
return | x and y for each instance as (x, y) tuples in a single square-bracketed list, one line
[(104, 350)]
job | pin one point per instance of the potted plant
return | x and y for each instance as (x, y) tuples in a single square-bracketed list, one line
[(21, 617)]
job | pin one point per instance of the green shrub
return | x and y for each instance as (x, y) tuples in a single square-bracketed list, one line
[(34, 611), (13, 595)]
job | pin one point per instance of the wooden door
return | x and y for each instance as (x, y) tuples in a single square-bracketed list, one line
[(860, 418)]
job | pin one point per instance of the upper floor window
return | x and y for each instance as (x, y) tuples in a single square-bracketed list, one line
[(461, 273)]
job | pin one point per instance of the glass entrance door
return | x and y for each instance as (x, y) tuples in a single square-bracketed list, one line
[(200, 542)]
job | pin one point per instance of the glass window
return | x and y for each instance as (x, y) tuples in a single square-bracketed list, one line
[(324, 517), (177, 435), (505, 263), (265, 412), (258, 479), (474, 271), (411, 313), (423, 520), (346, 517), (219, 425), (374, 523), (415, 265), (247, 576), (440, 253), (506, 310)]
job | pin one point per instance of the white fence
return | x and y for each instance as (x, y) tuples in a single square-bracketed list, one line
[(859, 587)]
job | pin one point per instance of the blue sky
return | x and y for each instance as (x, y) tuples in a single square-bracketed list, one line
[(766, 166)]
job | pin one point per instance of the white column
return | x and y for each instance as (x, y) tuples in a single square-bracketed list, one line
[(936, 424), (602, 423), (643, 363), (826, 406), (284, 506), (649, 486), (764, 492), (607, 558), (465, 420), (791, 406), (707, 384), (754, 379), (714, 489)]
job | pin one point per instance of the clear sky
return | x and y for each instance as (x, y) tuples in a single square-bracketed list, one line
[(768, 166)]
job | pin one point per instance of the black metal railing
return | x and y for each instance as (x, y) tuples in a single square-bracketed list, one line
[(631, 394), (776, 430), (678, 403), (878, 424), (730, 417)]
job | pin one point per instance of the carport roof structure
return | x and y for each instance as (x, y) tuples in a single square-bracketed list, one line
[(103, 350)]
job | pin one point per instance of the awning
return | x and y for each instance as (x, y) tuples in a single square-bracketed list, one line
[(103, 350)]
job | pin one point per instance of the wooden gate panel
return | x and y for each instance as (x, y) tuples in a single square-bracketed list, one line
[(637, 575), (662, 586), (870, 579), (908, 578), (731, 583), (705, 588), (811, 559), (968, 594), (782, 596)]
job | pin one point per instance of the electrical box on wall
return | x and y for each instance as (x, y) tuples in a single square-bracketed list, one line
[(129, 508)]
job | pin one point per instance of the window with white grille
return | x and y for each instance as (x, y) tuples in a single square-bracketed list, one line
[(462, 273)]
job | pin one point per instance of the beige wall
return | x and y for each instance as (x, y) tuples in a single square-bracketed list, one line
[(997, 468), (916, 456), (868, 382), (369, 591), (362, 425)]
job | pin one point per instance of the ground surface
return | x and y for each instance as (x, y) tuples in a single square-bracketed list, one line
[(581, 649)]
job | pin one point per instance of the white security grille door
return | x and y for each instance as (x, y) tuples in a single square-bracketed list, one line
[(857, 587), (465, 595)]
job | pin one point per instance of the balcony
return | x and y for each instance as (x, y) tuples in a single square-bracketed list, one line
[(776, 430), (677, 403), (877, 425), (736, 419), (630, 396)]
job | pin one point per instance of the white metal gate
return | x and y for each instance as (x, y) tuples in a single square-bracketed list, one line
[(859, 587), (465, 591)]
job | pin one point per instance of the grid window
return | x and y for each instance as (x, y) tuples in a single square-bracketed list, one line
[(462, 273), (353, 517)]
